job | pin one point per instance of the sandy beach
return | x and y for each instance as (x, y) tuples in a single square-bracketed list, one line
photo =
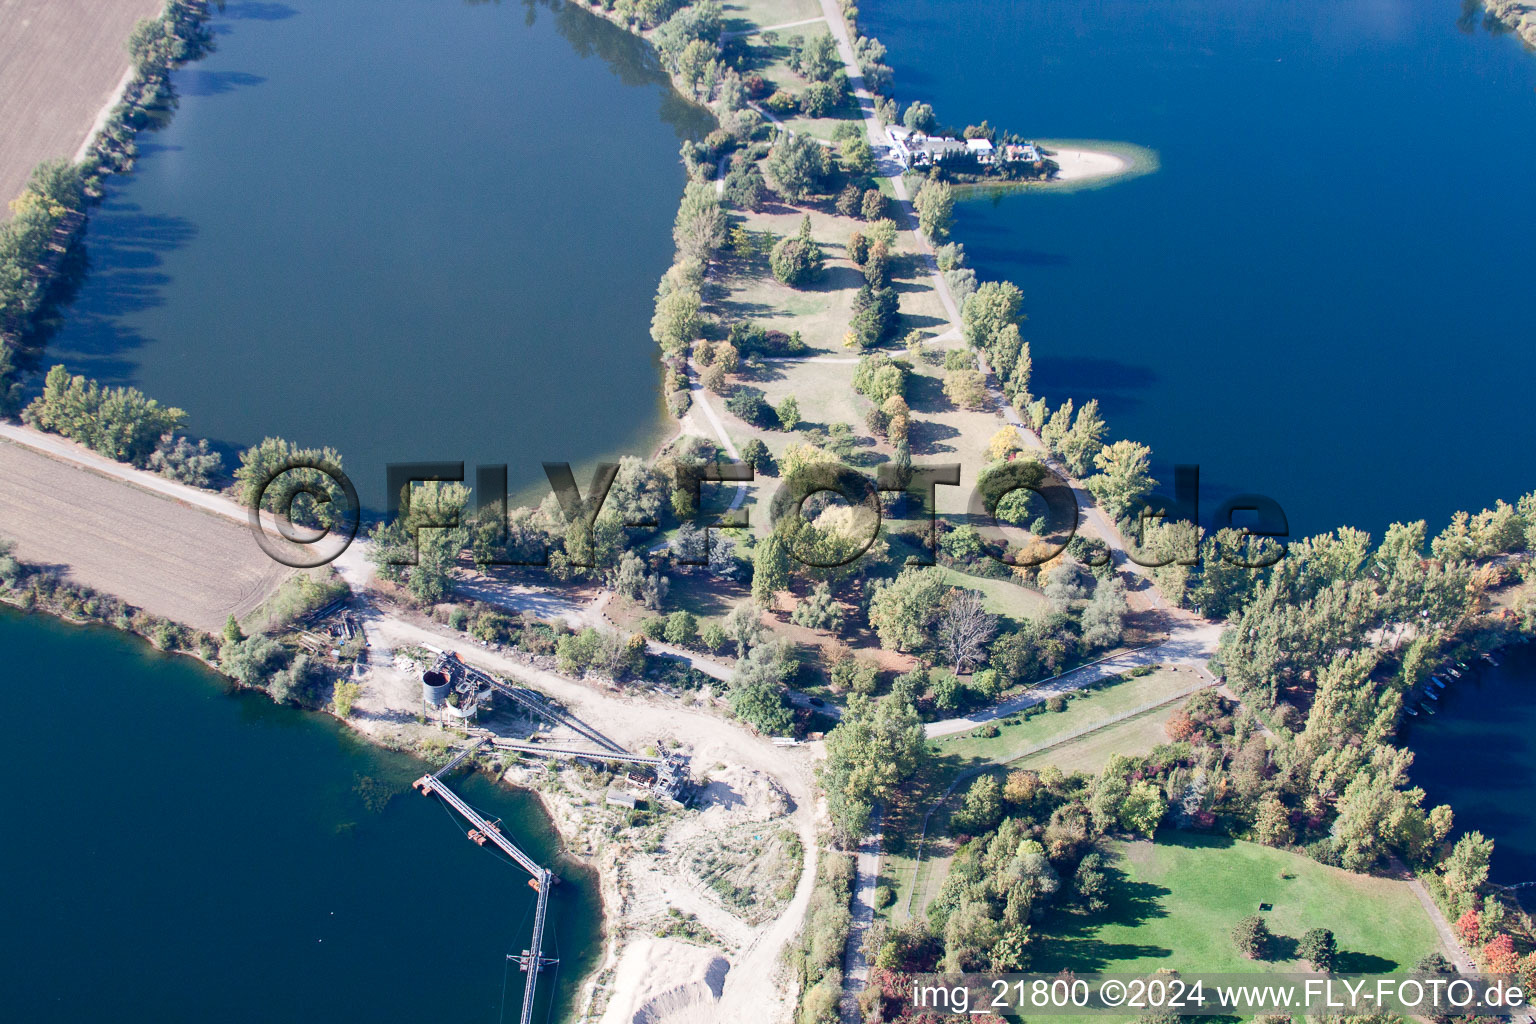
[(62, 63), (1083, 164)]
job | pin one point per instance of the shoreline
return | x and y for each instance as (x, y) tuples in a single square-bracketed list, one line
[(1518, 16), (104, 115), (1084, 164)]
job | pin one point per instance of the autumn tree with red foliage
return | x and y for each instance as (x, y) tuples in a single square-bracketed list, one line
[(1499, 956), (1469, 926), (1179, 727)]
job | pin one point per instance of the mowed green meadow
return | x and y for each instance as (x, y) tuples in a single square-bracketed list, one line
[(1173, 904)]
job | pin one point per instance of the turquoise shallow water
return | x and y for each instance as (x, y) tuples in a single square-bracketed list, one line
[(1322, 296), (177, 852), (425, 230)]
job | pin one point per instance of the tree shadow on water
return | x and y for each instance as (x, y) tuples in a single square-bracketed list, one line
[(257, 10), (116, 271), (214, 83)]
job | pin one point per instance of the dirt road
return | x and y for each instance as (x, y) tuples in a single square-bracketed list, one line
[(752, 988)]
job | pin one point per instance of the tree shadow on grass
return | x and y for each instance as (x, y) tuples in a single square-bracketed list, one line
[(1351, 962), (836, 279), (1074, 943), (928, 438)]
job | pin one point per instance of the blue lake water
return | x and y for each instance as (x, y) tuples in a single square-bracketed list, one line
[(1324, 294), (177, 852), (1476, 753), (428, 230)]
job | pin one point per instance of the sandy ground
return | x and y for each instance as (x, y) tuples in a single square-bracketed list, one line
[(747, 778), (1080, 164), (61, 63), (153, 552)]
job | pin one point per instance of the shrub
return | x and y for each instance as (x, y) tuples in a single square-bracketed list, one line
[(1252, 937), (748, 405), (797, 260), (682, 628)]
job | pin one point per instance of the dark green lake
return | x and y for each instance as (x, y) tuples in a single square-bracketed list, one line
[(1323, 295), (178, 852), (423, 230)]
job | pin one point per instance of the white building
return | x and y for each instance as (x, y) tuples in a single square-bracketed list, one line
[(981, 149)]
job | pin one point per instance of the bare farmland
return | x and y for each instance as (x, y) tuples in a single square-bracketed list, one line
[(185, 563), (61, 62)]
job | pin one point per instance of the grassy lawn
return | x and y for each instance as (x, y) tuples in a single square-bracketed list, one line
[(745, 15), (1173, 904), (1093, 708), (1088, 754), (1016, 738), (1002, 597)]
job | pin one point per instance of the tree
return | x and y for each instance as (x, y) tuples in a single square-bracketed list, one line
[(1499, 956), (770, 569), (1465, 869), (714, 378), (744, 627), (419, 548), (967, 389), (874, 316), (1085, 440), (1272, 823), (179, 459), (1004, 443), (257, 478), (965, 628), (848, 200), (920, 118), (682, 628), (700, 224), (1319, 948), (748, 405), (903, 609), (755, 695), (763, 707), (789, 413), (1064, 585), (819, 59), (1104, 617), (755, 453), (877, 266), (981, 809), (745, 187), (1252, 937), (819, 611), (677, 320), (876, 747), (1143, 809), (879, 378), (996, 305), (797, 259), (344, 696), (120, 423), (874, 205), (935, 205), (858, 159), (798, 164), (232, 634)]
